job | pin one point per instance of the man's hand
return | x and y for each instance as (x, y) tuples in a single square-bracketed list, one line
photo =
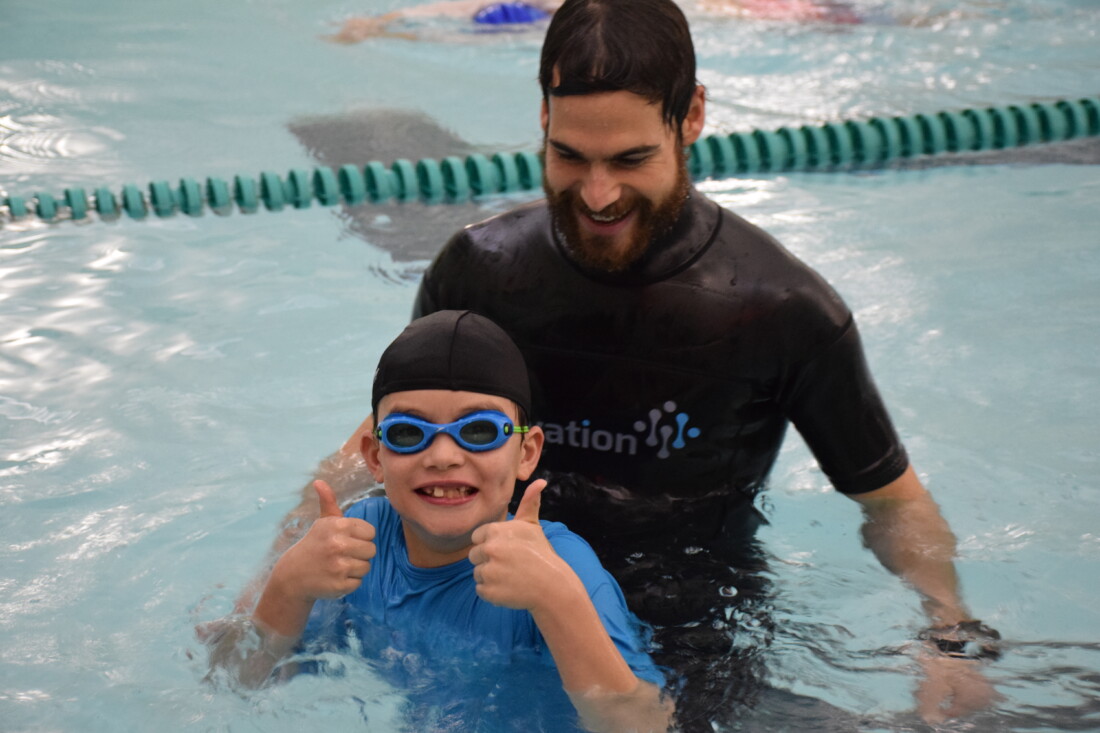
[(951, 688), (514, 564)]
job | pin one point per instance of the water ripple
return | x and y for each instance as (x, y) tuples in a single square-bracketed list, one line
[(38, 137)]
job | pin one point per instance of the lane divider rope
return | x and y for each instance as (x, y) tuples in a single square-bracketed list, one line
[(832, 146)]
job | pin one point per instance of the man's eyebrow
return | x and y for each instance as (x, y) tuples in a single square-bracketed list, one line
[(629, 152), (640, 150), (563, 148)]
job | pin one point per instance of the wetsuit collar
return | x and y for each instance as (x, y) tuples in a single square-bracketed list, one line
[(673, 251)]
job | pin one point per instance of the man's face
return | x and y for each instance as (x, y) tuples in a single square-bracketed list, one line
[(615, 173)]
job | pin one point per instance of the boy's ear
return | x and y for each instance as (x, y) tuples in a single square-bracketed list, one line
[(530, 452), (370, 447)]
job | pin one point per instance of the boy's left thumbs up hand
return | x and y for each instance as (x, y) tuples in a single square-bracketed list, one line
[(514, 564)]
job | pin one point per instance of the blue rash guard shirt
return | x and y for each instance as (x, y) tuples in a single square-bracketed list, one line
[(437, 612)]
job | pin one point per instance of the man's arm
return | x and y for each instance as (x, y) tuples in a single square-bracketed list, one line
[(904, 528), (516, 567)]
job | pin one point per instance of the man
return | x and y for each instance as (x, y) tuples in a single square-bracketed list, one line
[(671, 342)]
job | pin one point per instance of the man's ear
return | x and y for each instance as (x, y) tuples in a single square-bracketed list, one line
[(692, 126), (370, 447), (544, 116)]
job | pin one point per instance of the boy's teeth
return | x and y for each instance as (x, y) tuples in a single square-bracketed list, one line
[(438, 492)]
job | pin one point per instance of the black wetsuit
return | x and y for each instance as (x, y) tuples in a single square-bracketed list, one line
[(665, 391)]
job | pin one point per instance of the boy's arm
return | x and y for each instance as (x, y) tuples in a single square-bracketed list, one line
[(603, 688), (515, 566), (328, 562), (347, 474)]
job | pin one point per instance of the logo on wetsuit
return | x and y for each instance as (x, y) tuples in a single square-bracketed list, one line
[(653, 431)]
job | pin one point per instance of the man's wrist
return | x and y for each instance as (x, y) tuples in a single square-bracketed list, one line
[(970, 639)]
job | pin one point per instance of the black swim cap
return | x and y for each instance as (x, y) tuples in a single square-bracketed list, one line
[(457, 350)]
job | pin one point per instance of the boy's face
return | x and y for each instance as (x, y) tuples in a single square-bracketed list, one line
[(445, 492)]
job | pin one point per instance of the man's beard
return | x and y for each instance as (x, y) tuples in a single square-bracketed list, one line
[(599, 252)]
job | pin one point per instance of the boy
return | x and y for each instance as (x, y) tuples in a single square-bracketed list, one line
[(438, 555)]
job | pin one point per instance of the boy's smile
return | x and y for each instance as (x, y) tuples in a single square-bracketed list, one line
[(444, 492)]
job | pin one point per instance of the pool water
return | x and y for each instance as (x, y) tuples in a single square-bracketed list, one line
[(167, 386)]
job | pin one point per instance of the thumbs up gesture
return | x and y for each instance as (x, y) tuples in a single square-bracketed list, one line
[(529, 505), (331, 559), (514, 564)]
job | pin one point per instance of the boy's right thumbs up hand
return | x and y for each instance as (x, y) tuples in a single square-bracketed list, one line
[(326, 497), (332, 558)]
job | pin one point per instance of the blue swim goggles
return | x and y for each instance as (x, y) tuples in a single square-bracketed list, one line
[(479, 431)]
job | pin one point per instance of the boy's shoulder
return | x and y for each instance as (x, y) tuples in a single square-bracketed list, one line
[(374, 509), (571, 547)]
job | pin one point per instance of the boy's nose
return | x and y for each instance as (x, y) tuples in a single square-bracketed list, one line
[(443, 452)]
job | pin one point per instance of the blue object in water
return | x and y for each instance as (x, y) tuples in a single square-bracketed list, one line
[(503, 13)]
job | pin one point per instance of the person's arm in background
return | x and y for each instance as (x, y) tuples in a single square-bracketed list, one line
[(361, 28), (905, 530)]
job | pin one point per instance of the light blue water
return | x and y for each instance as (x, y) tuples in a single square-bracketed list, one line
[(167, 386)]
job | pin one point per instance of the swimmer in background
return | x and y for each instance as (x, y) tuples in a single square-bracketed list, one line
[(438, 558), (798, 11), (480, 12), (528, 12)]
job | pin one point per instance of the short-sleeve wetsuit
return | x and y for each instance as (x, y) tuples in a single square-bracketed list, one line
[(665, 389)]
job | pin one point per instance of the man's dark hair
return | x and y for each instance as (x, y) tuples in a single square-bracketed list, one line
[(639, 46)]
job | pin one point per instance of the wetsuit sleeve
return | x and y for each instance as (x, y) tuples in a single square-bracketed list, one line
[(625, 630), (834, 404)]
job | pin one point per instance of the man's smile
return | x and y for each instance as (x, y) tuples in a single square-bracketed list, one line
[(607, 223)]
